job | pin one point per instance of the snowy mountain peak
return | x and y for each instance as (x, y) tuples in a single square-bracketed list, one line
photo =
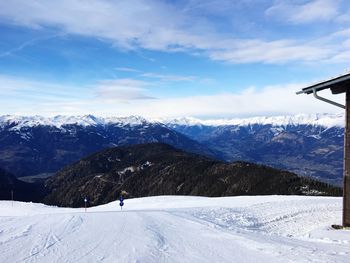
[(325, 120), (132, 120), (185, 121), (58, 121)]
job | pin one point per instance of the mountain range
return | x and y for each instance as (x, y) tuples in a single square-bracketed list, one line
[(36, 145), (310, 145)]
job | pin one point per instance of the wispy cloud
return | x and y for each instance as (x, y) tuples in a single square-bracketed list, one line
[(159, 76), (272, 52), (168, 77), (163, 26), (27, 44), (16, 86), (344, 18), (125, 69), (341, 33), (19, 48), (26, 96), (122, 90), (304, 12)]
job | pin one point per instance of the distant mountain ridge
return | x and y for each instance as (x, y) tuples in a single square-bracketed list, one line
[(61, 120), (324, 119)]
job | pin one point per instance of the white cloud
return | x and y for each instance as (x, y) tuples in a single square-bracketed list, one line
[(340, 41), (125, 69), (125, 97), (16, 86), (168, 77), (342, 33), (19, 48), (160, 76), (121, 90), (157, 76), (272, 52), (342, 57), (268, 101), (304, 12), (344, 18), (161, 26)]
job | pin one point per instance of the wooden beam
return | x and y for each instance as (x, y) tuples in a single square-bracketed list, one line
[(346, 190), (340, 89)]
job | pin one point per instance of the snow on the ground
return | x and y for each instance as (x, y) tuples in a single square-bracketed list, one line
[(177, 229)]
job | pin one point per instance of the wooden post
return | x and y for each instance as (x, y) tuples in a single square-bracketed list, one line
[(346, 190)]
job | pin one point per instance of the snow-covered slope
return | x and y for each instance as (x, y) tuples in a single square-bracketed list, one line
[(177, 229)]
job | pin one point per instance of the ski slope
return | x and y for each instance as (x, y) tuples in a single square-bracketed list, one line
[(177, 229)]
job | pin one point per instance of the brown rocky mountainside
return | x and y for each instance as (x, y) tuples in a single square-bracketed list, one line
[(159, 169)]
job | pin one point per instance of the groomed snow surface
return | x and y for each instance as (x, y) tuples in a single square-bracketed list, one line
[(177, 229)]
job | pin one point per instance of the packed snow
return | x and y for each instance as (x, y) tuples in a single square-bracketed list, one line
[(177, 229)]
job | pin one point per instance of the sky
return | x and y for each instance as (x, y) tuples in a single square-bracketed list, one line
[(200, 58)]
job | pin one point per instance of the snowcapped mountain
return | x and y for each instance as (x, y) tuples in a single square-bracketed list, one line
[(310, 145), (35, 145)]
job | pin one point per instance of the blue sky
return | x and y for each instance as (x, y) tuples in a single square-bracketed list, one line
[(209, 59)]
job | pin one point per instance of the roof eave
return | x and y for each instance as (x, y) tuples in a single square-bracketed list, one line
[(332, 84)]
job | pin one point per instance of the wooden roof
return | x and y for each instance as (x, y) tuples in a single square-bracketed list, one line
[(337, 85)]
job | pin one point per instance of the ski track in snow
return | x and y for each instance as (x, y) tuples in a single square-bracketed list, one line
[(177, 229)]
